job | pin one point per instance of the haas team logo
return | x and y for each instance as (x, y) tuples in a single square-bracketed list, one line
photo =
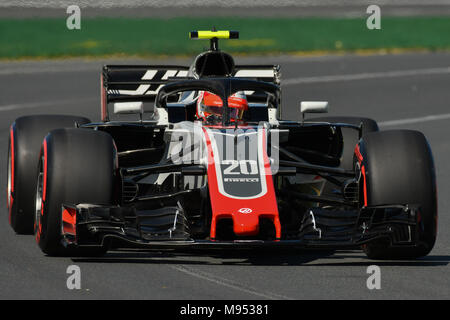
[(245, 210)]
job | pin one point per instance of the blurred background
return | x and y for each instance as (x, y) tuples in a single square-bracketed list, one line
[(37, 29)]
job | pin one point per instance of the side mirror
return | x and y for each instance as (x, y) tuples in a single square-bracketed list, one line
[(129, 107), (313, 107)]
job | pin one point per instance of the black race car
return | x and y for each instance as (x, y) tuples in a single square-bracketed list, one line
[(198, 157)]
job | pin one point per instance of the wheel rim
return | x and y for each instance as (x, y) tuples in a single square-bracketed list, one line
[(39, 190), (8, 190)]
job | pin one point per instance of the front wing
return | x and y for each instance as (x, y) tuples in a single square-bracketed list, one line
[(85, 225)]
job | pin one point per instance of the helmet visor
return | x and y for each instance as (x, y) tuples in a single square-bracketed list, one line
[(235, 113), (211, 104)]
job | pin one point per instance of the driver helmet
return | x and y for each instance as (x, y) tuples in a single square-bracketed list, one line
[(210, 105)]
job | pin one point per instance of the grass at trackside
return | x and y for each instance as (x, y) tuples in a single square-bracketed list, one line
[(126, 36)]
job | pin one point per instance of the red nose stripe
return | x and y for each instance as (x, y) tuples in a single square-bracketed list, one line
[(245, 222)]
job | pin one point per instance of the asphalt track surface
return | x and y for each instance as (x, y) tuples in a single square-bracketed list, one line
[(401, 91)]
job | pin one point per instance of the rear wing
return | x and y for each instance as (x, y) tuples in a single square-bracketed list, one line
[(268, 73), (121, 83), (133, 83)]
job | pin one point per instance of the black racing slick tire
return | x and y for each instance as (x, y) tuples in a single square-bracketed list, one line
[(350, 136), (398, 168), (75, 166), (25, 139)]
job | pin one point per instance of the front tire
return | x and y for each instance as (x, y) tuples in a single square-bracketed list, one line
[(25, 139), (399, 169), (76, 166)]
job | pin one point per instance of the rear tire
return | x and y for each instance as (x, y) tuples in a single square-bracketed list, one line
[(350, 136), (25, 139), (399, 169), (76, 166)]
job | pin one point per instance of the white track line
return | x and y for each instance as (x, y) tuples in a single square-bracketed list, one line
[(230, 284), (365, 76), (19, 106), (377, 75), (46, 68), (435, 117)]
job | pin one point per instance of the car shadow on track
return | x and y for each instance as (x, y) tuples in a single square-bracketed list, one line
[(213, 257), (260, 258)]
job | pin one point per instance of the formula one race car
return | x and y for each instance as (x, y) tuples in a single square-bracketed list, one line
[(198, 157)]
